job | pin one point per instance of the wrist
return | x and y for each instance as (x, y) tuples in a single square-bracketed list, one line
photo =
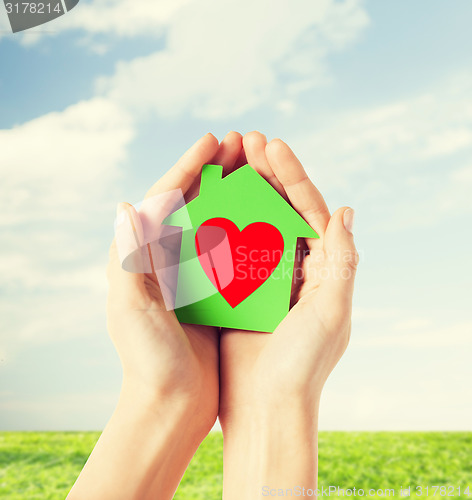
[(274, 447), (273, 417), (261, 408), (173, 410), (149, 440)]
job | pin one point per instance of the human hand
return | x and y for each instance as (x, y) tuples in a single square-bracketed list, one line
[(297, 358), (270, 384), (161, 358), (169, 397)]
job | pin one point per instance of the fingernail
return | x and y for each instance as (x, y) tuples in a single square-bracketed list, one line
[(121, 207), (348, 219)]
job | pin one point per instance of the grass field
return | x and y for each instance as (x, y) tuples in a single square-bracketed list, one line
[(45, 465)]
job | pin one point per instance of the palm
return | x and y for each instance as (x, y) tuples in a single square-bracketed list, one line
[(308, 342), (181, 357), (158, 353), (253, 364)]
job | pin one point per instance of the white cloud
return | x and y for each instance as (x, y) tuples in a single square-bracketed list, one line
[(408, 132), (3, 358), (54, 316), (462, 174), (407, 158), (421, 333), (401, 372), (47, 301), (56, 412), (5, 27), (59, 161), (369, 314), (30, 271), (455, 195), (122, 18), (448, 141), (394, 327), (58, 176), (126, 18), (375, 407), (222, 60)]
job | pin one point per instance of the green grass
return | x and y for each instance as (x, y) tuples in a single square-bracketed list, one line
[(44, 465)]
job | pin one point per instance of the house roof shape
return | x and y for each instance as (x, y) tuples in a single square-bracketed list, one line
[(244, 197)]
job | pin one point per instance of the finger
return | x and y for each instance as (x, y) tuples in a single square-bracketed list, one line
[(183, 173), (341, 258), (302, 193), (254, 145), (192, 191), (127, 284), (228, 152), (228, 155), (242, 160)]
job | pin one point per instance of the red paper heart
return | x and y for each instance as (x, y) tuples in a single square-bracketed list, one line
[(238, 262)]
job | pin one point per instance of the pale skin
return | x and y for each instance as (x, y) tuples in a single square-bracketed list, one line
[(265, 387)]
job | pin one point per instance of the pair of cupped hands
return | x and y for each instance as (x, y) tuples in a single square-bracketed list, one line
[(209, 372)]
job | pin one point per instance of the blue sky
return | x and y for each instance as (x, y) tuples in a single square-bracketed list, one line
[(375, 97)]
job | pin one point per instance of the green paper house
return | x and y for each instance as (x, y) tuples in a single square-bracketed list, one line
[(245, 198)]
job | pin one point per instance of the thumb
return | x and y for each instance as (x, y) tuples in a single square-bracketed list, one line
[(341, 257), (126, 263)]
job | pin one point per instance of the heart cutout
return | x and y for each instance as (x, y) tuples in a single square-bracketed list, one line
[(238, 262)]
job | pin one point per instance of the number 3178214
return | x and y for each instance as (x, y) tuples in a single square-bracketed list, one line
[(33, 8)]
